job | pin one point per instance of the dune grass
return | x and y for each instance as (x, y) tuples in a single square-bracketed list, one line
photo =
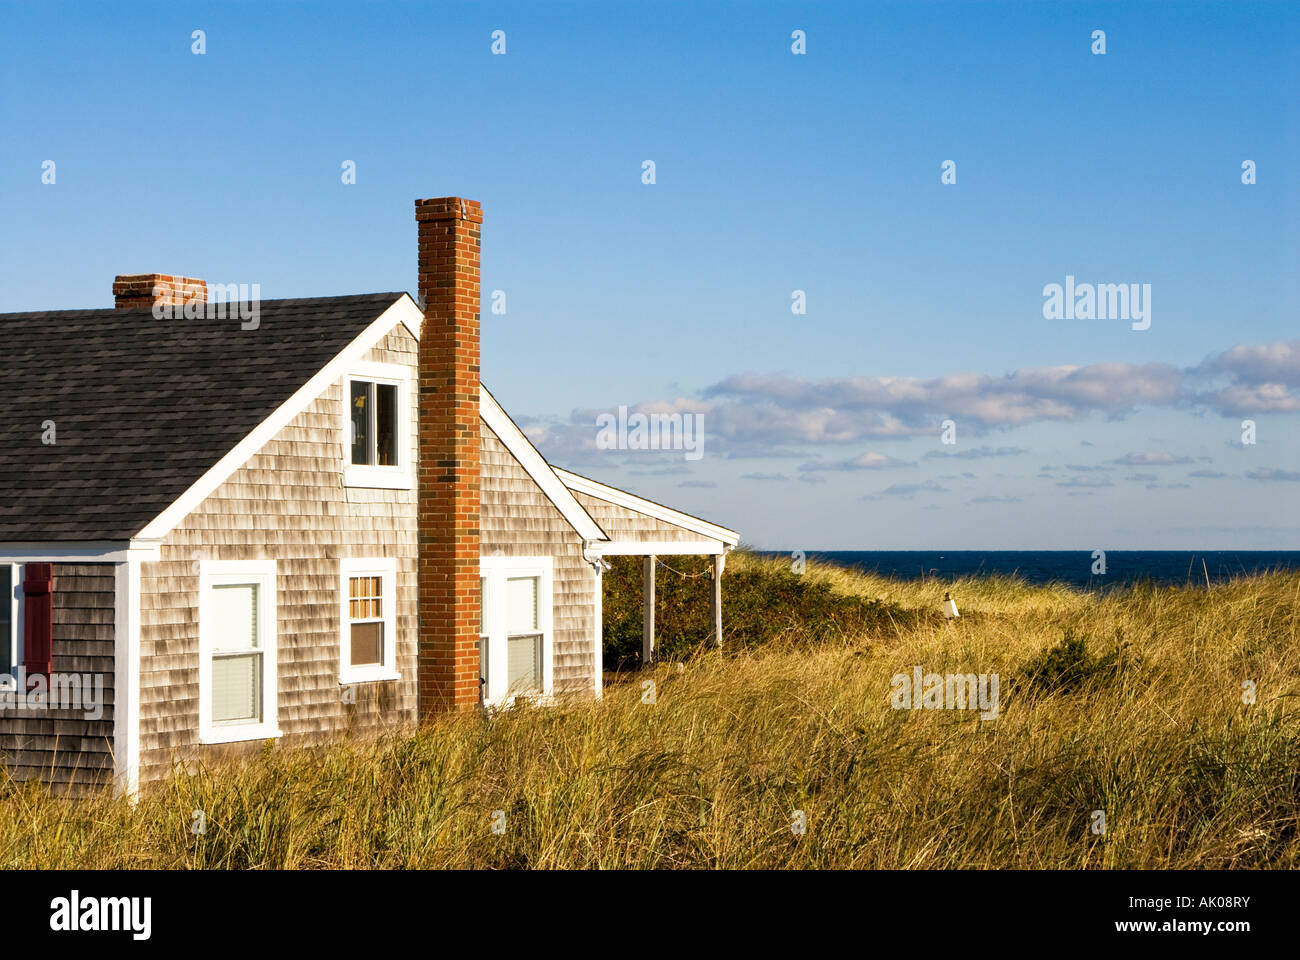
[(1129, 703)]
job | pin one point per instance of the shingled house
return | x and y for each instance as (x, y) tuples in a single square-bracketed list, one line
[(308, 525)]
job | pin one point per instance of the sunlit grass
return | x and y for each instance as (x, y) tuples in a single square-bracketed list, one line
[(710, 774)]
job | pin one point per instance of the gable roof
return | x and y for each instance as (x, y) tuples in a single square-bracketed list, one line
[(143, 409)]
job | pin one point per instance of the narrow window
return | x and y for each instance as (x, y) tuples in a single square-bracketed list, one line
[(386, 424), (362, 412), (8, 655), (366, 620), (524, 638), (237, 653), (368, 636)]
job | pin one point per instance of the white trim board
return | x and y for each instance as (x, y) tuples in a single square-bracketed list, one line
[(661, 548), (403, 311), (536, 466), (88, 551), (631, 501)]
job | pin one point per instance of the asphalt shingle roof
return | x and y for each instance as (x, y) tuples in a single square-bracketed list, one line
[(142, 408)]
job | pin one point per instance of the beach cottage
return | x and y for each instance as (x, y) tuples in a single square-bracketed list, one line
[(295, 520)]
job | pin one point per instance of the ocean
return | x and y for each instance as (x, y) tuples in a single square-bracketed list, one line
[(1067, 566)]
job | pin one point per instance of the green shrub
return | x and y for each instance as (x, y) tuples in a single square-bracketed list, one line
[(1070, 665), (758, 606)]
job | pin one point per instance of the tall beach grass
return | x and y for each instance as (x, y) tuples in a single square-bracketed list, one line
[(1129, 703)]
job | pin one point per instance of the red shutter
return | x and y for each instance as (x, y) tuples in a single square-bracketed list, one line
[(38, 618)]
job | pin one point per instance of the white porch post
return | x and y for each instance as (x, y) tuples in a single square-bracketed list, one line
[(648, 610), (715, 598)]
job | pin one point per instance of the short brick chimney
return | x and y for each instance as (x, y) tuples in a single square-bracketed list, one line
[(450, 440), (140, 291)]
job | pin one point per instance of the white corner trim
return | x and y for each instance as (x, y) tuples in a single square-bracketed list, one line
[(386, 569), (126, 674), (262, 572), (536, 466), (403, 311), (631, 501)]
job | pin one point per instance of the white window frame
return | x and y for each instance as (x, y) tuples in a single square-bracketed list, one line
[(15, 638), (397, 477), (226, 572), (497, 570), (386, 569)]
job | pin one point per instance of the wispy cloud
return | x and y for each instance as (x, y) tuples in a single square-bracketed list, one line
[(866, 461), (908, 490), (774, 415), (1159, 458), (977, 453), (1271, 473), (1085, 480)]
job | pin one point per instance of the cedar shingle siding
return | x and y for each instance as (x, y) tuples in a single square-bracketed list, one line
[(63, 747)]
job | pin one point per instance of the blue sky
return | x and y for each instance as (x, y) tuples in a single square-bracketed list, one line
[(774, 172)]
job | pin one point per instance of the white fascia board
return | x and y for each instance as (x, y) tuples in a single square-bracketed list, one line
[(403, 311), (536, 466), (622, 498), (661, 548), (82, 551)]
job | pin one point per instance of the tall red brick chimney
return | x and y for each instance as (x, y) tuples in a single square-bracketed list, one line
[(139, 291), (449, 230)]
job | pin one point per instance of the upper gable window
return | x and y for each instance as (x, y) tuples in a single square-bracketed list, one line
[(374, 423), (377, 429)]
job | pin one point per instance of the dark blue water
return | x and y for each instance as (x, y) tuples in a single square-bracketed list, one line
[(1066, 566)]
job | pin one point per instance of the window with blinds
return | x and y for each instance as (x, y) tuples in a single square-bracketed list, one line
[(366, 620), (523, 636), (237, 653)]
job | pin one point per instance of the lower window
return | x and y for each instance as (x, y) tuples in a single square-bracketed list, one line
[(367, 620), (516, 642), (237, 650)]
